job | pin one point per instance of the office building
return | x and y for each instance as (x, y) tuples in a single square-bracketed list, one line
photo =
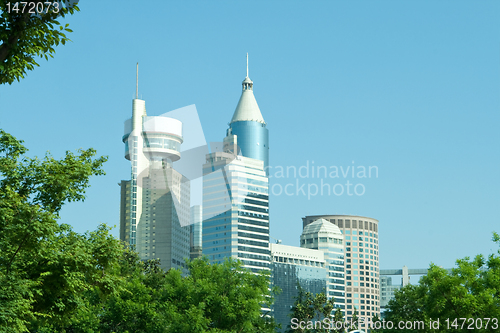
[(154, 214), (361, 262), (236, 189)]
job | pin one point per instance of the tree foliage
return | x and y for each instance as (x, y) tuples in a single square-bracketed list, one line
[(53, 279), (25, 36), (470, 291), (309, 307), (222, 298), (45, 266)]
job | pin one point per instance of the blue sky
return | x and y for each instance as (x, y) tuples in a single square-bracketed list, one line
[(411, 87)]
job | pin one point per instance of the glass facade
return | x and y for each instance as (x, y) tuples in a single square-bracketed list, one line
[(236, 211), (253, 140), (196, 231), (291, 266)]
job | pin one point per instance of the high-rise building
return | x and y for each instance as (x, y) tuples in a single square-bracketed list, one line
[(326, 237), (154, 214), (236, 189), (291, 265), (361, 262)]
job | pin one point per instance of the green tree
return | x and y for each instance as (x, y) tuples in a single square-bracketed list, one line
[(338, 319), (55, 280), (218, 298), (310, 308), (25, 36), (45, 267), (355, 319), (470, 291)]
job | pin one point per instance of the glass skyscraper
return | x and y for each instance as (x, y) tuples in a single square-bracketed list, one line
[(236, 189)]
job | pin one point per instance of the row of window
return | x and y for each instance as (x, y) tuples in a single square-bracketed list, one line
[(360, 233), (299, 261), (321, 240)]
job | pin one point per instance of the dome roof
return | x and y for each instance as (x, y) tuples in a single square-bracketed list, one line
[(321, 226)]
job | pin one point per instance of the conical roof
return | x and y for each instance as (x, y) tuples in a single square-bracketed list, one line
[(247, 108)]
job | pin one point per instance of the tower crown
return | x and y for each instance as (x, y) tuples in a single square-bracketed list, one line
[(247, 108)]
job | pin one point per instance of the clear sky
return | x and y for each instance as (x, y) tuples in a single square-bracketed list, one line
[(410, 87)]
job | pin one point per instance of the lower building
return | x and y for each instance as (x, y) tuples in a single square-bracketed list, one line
[(326, 237), (290, 266), (361, 248), (387, 290)]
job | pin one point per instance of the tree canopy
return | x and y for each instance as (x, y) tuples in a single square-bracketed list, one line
[(465, 300), (309, 308), (29, 30), (53, 279)]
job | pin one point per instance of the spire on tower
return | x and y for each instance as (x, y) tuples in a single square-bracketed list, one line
[(247, 64), (137, 82)]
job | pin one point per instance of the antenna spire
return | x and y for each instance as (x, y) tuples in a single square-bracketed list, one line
[(137, 82), (247, 64)]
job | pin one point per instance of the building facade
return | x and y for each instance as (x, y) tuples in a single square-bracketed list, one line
[(196, 232), (236, 210), (293, 265), (361, 262), (154, 214)]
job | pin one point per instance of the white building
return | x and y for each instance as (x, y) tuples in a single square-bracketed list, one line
[(154, 214)]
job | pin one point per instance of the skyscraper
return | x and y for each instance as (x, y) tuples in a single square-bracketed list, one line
[(361, 263), (236, 189), (154, 214)]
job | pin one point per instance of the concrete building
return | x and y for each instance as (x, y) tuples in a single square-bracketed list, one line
[(361, 262), (154, 214), (326, 237), (291, 265), (236, 189)]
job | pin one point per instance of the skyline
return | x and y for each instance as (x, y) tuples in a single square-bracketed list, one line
[(415, 95)]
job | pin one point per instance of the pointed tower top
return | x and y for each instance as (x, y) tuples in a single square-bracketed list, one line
[(247, 108), (137, 82)]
